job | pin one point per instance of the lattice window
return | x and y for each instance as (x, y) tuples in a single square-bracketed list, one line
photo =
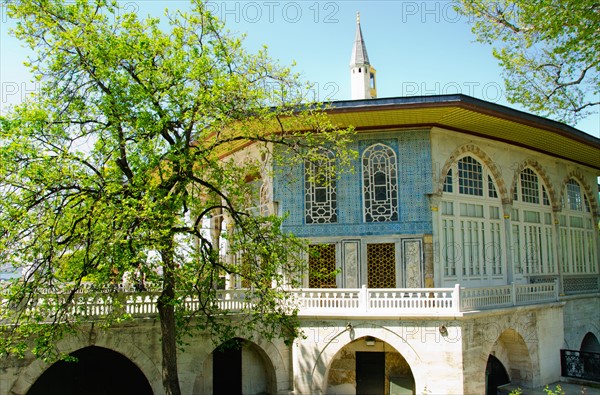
[(470, 177), (530, 189), (246, 267), (381, 265), (380, 184), (320, 191), (321, 266)]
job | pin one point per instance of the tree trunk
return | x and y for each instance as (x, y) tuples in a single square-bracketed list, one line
[(166, 312)]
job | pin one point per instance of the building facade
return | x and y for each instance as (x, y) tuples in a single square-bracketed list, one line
[(461, 253)]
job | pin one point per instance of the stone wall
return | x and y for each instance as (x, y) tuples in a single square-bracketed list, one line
[(581, 315), (526, 340), (416, 346), (139, 341), (442, 355)]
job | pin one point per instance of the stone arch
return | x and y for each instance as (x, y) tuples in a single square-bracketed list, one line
[(336, 343), (257, 363), (341, 372), (98, 369), (149, 367), (541, 172), (511, 349), (587, 189), (573, 339), (590, 343), (472, 149)]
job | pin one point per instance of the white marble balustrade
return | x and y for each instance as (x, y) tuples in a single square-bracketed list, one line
[(390, 302)]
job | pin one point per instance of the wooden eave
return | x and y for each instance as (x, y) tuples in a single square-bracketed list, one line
[(468, 115)]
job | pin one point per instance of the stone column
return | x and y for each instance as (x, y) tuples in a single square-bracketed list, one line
[(431, 245), (508, 244)]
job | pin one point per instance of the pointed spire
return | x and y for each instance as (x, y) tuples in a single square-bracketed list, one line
[(359, 51)]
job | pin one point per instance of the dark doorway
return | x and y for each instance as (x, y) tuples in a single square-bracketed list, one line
[(370, 373), (590, 343), (227, 368), (98, 371), (495, 375)]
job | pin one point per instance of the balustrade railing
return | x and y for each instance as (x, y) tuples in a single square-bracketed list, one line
[(580, 364), (333, 302), (507, 295)]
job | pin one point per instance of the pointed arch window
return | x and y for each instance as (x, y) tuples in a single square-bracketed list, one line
[(380, 184), (532, 226), (470, 176), (574, 196), (320, 190), (471, 228), (578, 249)]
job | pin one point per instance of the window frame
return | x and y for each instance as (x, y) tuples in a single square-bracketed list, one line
[(369, 172)]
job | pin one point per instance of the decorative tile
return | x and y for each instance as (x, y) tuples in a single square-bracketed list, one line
[(413, 152)]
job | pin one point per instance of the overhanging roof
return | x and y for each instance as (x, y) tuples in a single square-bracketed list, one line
[(468, 115)]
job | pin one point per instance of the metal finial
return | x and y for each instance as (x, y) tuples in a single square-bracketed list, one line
[(358, 17)]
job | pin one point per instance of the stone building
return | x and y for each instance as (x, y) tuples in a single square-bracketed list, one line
[(466, 248)]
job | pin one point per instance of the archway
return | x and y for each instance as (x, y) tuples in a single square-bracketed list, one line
[(590, 343), (511, 351), (239, 366), (589, 356), (98, 371), (368, 365), (495, 375)]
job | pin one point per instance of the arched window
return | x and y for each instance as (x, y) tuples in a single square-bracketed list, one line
[(471, 235), (532, 226), (320, 191), (577, 247), (380, 184)]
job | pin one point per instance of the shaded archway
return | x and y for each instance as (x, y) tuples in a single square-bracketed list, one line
[(368, 365), (98, 371), (495, 375), (511, 350), (239, 366), (590, 343)]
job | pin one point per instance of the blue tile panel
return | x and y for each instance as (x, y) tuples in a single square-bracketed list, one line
[(413, 152)]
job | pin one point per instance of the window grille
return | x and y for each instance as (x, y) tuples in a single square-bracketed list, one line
[(381, 265), (321, 264), (320, 191), (380, 184)]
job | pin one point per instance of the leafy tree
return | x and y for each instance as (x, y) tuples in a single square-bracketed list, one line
[(133, 143), (548, 50)]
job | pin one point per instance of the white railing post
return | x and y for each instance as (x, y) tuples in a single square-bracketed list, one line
[(556, 290), (364, 298), (456, 298)]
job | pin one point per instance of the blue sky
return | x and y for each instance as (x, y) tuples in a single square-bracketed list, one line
[(417, 47)]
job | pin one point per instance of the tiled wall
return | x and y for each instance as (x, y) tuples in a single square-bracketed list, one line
[(413, 152)]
